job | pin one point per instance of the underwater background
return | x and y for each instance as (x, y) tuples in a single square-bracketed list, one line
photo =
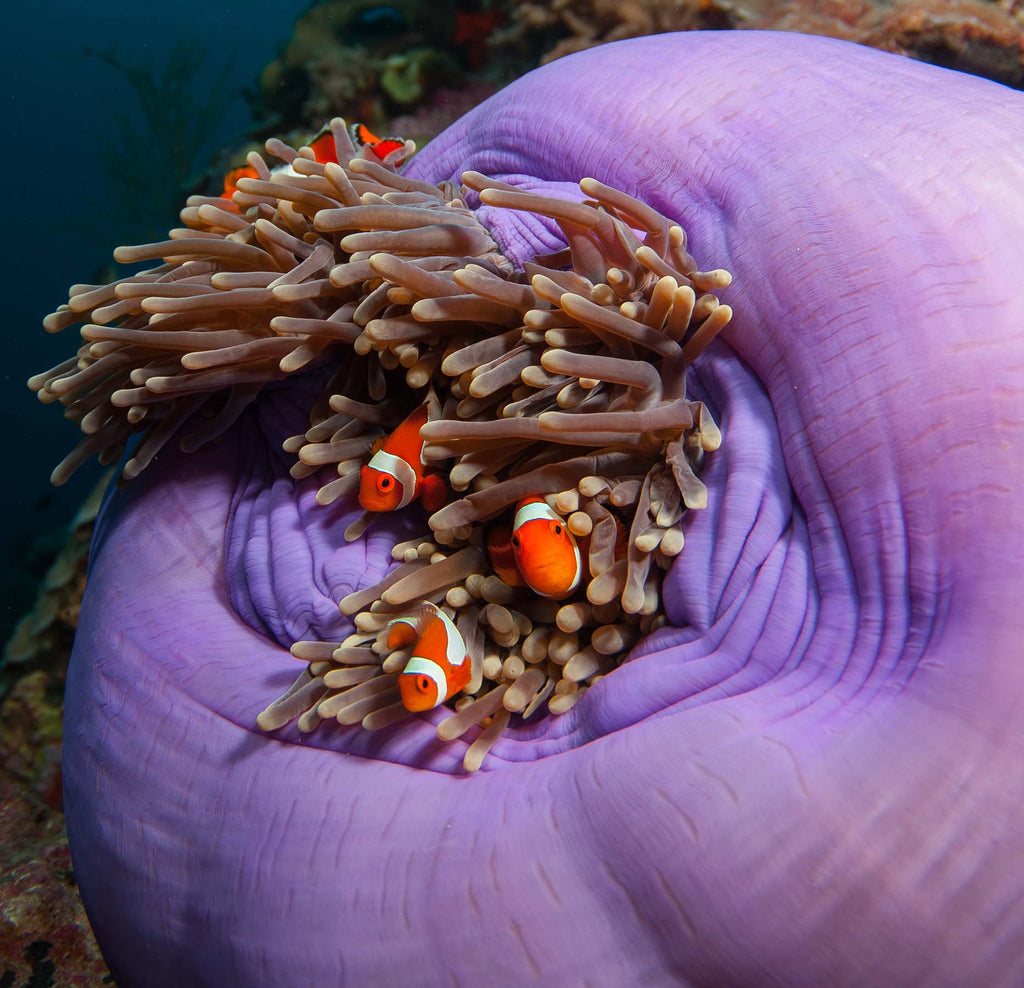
[(74, 116), (80, 138), (120, 110)]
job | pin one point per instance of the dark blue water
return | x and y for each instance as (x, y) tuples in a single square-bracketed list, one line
[(64, 211)]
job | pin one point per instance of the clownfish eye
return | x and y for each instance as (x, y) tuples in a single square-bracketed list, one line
[(558, 529), (423, 683), (515, 541), (383, 483)]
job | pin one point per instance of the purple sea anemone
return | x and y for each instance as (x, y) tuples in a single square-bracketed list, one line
[(810, 775)]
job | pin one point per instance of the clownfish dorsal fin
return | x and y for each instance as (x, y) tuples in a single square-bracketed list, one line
[(425, 611), (323, 146), (384, 149)]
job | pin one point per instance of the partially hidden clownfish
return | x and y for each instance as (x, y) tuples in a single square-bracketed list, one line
[(363, 137), (439, 666), (396, 474), (231, 177), (324, 151), (540, 552)]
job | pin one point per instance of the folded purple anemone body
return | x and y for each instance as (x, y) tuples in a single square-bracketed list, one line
[(812, 777)]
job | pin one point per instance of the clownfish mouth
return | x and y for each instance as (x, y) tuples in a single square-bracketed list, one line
[(552, 577)]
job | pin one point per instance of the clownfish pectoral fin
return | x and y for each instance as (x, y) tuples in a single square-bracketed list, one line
[(433, 492), (502, 557), (460, 676)]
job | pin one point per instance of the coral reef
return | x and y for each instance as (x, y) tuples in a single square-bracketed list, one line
[(983, 37), (45, 937), (381, 64), (369, 62), (30, 736), (35, 662), (44, 934), (41, 640)]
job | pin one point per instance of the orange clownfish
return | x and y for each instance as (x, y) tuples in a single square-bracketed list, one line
[(541, 553), (396, 474), (363, 137), (324, 151), (439, 666), (231, 177)]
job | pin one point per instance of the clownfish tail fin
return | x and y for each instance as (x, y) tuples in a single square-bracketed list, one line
[(433, 403)]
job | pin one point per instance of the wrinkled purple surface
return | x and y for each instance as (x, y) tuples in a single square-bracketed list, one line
[(814, 779)]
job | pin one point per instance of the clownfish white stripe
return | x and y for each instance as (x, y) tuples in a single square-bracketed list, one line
[(455, 649), (395, 466), (579, 567), (419, 666), (535, 511)]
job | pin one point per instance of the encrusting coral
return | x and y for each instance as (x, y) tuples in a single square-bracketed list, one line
[(563, 381), (983, 37)]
